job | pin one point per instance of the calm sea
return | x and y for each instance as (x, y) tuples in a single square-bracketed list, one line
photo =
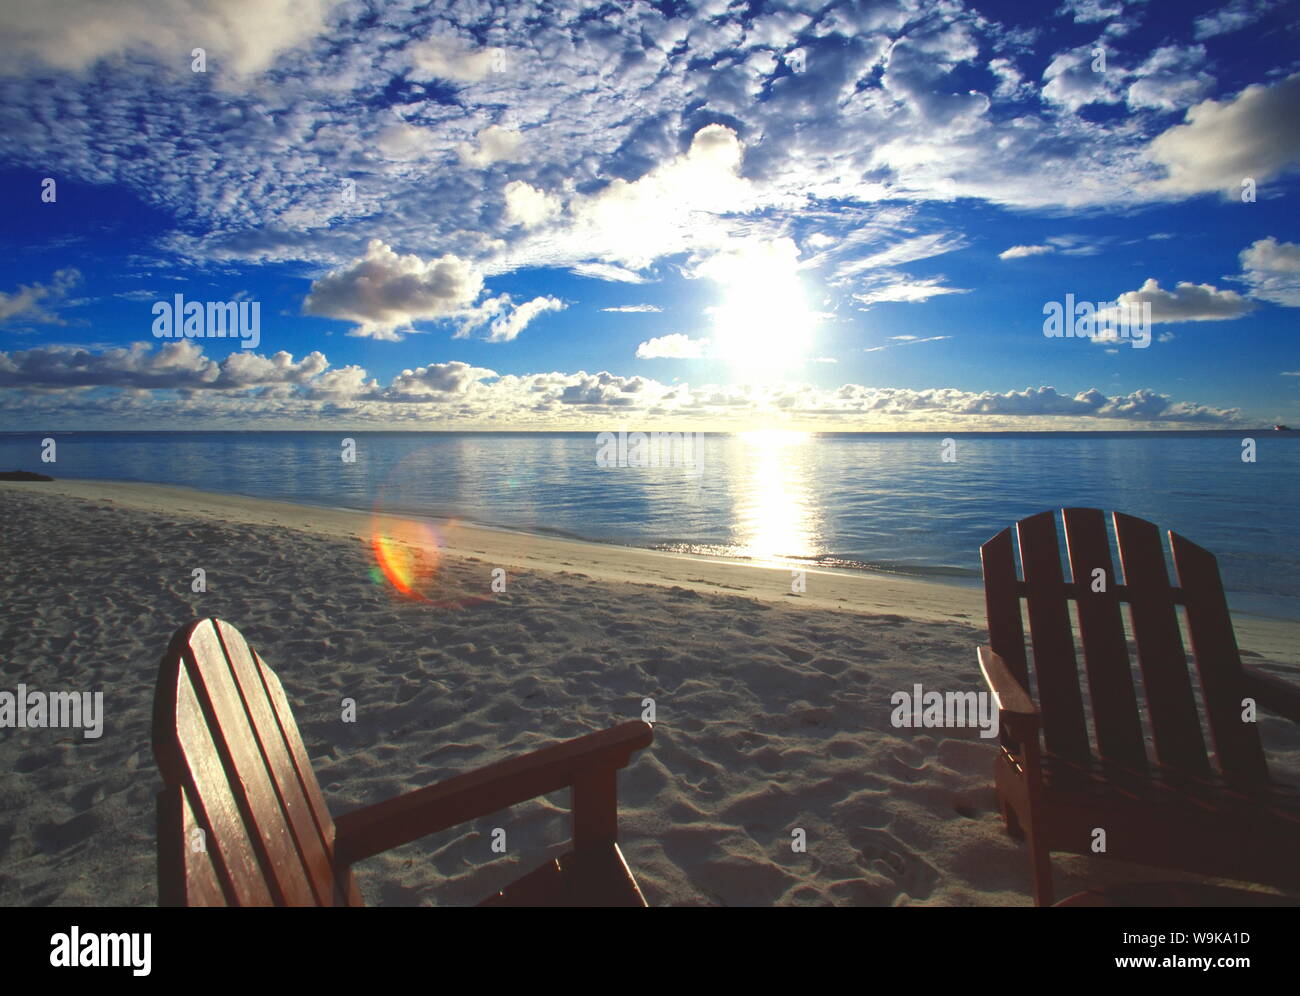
[(885, 502)]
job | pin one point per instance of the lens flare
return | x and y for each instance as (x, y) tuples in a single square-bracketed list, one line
[(407, 553)]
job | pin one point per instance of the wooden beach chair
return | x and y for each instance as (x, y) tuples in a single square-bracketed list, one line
[(242, 822), (1171, 808)]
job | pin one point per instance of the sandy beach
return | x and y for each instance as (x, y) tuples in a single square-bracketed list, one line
[(772, 707)]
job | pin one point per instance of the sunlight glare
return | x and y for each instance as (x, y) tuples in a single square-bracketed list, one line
[(763, 324)]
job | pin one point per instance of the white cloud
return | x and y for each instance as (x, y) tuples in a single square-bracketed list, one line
[(1071, 81), (30, 302), (178, 365), (435, 382), (1091, 11), (906, 340), (1171, 78), (142, 384), (1255, 134), (384, 292), (902, 288), (907, 250), (1187, 302), (507, 327), (528, 206), (1020, 252), (450, 59), (405, 141), (674, 347), (495, 144), (1231, 17), (241, 36), (608, 271), (634, 308), (639, 221), (1272, 270)]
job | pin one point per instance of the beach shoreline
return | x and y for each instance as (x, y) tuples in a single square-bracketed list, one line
[(842, 589), (773, 708)]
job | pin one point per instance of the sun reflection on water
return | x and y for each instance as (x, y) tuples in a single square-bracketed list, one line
[(775, 515)]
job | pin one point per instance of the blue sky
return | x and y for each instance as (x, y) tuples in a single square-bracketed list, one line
[(715, 216)]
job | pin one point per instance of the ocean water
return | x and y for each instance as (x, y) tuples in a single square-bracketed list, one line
[(884, 502)]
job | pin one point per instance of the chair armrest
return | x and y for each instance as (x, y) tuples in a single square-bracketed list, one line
[(1013, 702), (1272, 693), (404, 818)]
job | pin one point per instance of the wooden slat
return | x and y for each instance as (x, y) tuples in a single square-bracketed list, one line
[(1006, 632), (289, 729), (1171, 705), (253, 788), (229, 842), (1105, 647), (346, 892), (1055, 671), (186, 873), (1214, 646), (313, 853)]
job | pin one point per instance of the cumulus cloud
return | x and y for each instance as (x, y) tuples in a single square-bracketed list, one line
[(1171, 78), (435, 382), (384, 292), (243, 36), (179, 365), (1020, 252), (528, 206), (1272, 270), (1071, 82), (507, 326), (675, 346), (451, 59), (494, 145), (1187, 302), (1231, 17), (405, 141), (145, 383), (1255, 134), (31, 302), (1091, 11), (672, 208)]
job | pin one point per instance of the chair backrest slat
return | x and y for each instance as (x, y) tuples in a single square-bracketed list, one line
[(312, 850), (1115, 713), (1175, 724), (1055, 669), (1002, 600), (224, 736), (1237, 745), (198, 769), (346, 891), (187, 874)]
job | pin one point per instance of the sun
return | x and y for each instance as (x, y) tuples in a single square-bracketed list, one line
[(763, 323)]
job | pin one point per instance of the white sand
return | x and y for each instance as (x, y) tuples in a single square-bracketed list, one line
[(773, 709)]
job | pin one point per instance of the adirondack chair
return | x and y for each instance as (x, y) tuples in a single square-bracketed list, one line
[(1171, 809), (234, 768)]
